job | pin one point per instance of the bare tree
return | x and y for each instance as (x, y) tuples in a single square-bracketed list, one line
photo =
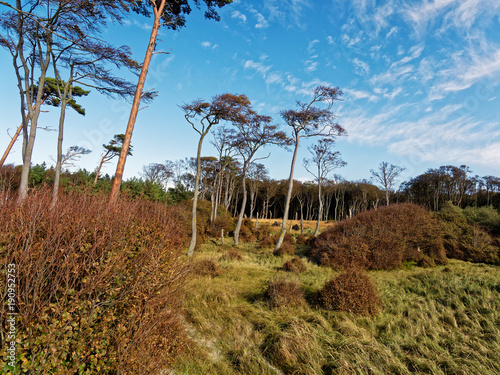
[(309, 121), (226, 107), (254, 132), (73, 155), (324, 160), (170, 13), (386, 175)]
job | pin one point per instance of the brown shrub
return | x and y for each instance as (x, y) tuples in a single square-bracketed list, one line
[(295, 265), (263, 231), (246, 234), (100, 282), (381, 239), (288, 239), (276, 224), (286, 249), (296, 227), (464, 241), (301, 239), (282, 292), (206, 267), (232, 255), (351, 291), (224, 220), (267, 241), (426, 261)]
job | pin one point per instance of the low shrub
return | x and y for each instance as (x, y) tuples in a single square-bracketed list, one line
[(276, 224), (283, 292), (232, 255), (246, 234), (99, 286), (296, 227), (266, 241), (286, 249), (263, 231), (206, 267), (351, 291), (381, 239), (301, 239), (295, 265)]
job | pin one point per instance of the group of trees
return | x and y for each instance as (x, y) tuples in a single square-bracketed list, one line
[(66, 38)]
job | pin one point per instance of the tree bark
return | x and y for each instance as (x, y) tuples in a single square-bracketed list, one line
[(195, 197), (115, 189), (288, 198), (242, 210), (320, 208)]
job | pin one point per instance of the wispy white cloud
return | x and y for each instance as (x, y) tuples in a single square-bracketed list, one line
[(392, 31), (361, 67), (258, 66), (209, 45), (359, 94), (240, 16)]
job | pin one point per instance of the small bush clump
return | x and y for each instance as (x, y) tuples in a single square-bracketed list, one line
[(351, 291), (286, 249), (266, 241), (263, 231), (301, 239), (206, 267), (295, 265), (232, 255), (296, 227), (283, 292)]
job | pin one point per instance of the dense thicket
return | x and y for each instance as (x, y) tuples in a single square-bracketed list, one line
[(98, 287), (381, 239)]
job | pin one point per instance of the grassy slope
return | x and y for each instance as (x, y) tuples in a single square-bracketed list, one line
[(433, 322)]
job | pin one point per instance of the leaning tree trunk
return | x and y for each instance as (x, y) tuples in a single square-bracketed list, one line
[(288, 198), (115, 190)]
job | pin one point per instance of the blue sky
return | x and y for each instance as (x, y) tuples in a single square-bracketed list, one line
[(420, 81)]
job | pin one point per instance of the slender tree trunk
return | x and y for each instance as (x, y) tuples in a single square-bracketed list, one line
[(57, 176), (115, 190), (242, 210), (320, 208), (33, 117), (387, 196), (195, 197), (288, 198), (16, 135), (99, 169)]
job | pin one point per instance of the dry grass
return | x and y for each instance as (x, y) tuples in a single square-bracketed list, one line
[(441, 320)]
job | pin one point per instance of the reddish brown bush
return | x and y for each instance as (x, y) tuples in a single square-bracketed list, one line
[(381, 239), (351, 291), (232, 255), (295, 265), (301, 239), (99, 282), (286, 249), (246, 234), (267, 241), (206, 267), (263, 231), (282, 292), (465, 241)]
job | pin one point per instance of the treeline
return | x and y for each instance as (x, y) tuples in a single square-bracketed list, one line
[(220, 183)]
